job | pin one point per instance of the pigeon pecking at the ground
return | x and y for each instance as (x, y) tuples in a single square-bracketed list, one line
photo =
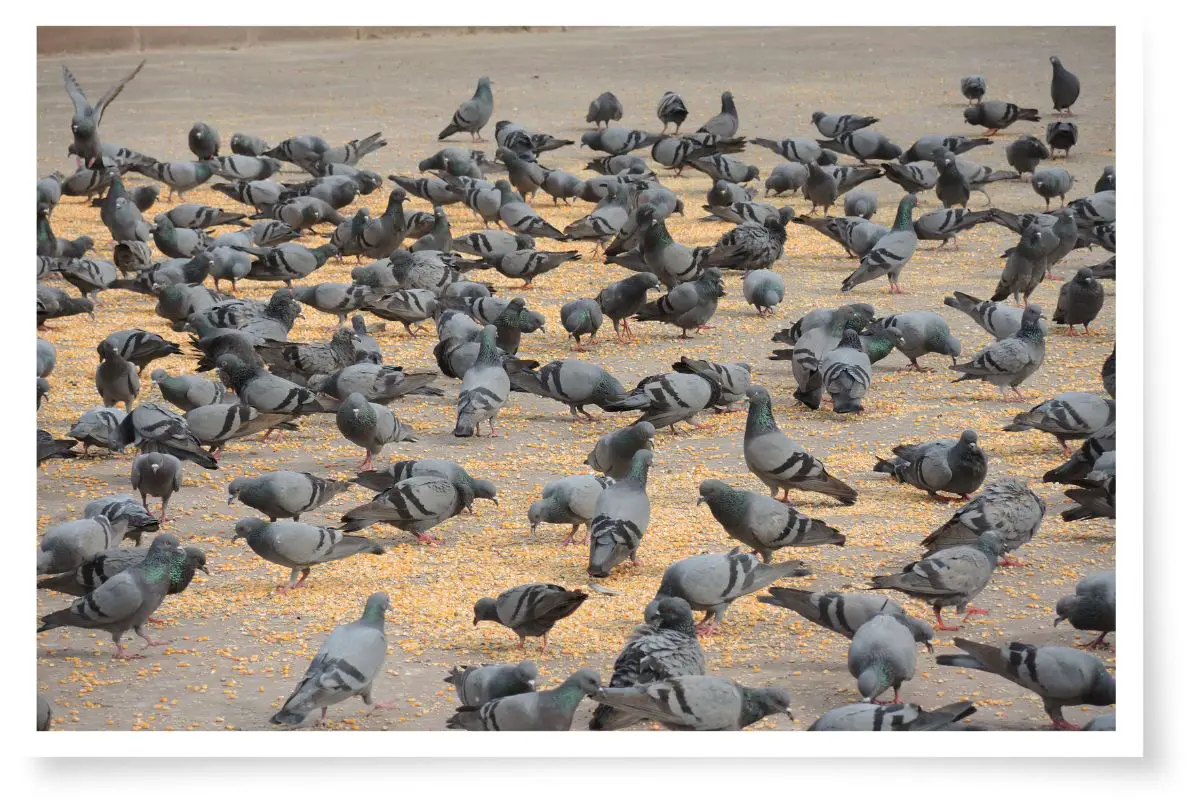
[(568, 501), (698, 703), (300, 546), (882, 655), (284, 493), (530, 609), (763, 523), (1092, 607), (548, 710), (844, 613), (1071, 415), (370, 426), (157, 475)]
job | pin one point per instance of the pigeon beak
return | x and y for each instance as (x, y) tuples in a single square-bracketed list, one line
[(204, 569), (532, 528), (700, 502), (495, 500), (788, 711), (1058, 620), (235, 537), (929, 647), (475, 621), (229, 500)]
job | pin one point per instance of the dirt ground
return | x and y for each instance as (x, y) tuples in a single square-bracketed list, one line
[(238, 648)]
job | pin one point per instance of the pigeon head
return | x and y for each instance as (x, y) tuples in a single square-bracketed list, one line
[(850, 339), (817, 116), (236, 486), (245, 528), (158, 375), (873, 681), (106, 350), (528, 672), (590, 139), (761, 703), (485, 611), (644, 280), (1084, 275), (672, 613), (1064, 607), (377, 604), (368, 181), (164, 547), (751, 174), (537, 514), (710, 488), (969, 438), (586, 680), (1054, 60), (196, 559), (973, 115), (990, 542), (484, 489)]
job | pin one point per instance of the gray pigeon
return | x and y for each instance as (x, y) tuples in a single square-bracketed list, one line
[(620, 520), (844, 613), (724, 124), (671, 110), (346, 666), (670, 398), (568, 501), (999, 320), (473, 114), (698, 703), (477, 686), (44, 713), (1025, 153), (1093, 607), (926, 148), (1063, 136), (863, 144), (299, 546), (1061, 676), (284, 493), (950, 577), (471, 488), (846, 373), (1007, 363), (660, 253), (606, 108), (204, 141), (973, 87), (1064, 86), (617, 141), (126, 601), (187, 392), (1107, 181), (156, 429), (484, 390), (1087, 458), (890, 253), (763, 523), (860, 203), (688, 306), (116, 379), (1097, 208), (519, 217), (857, 236), (414, 504), (156, 475), (67, 545), (918, 176), (831, 125), (269, 393), (124, 508), (998, 114), (791, 177), (47, 357), (1071, 415), (581, 317), (530, 609), (549, 710), (892, 717), (1079, 301), (1006, 507), (1051, 182), (85, 121), (574, 383), (109, 563), (957, 466), (750, 245), (918, 333), (613, 453), (778, 461), (882, 654), (98, 428), (709, 582), (376, 382), (621, 300), (798, 151), (664, 648), (944, 224), (370, 426), (733, 380)]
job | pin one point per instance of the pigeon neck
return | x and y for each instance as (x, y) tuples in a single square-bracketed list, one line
[(729, 506), (658, 237), (903, 221), (753, 707), (759, 418), (373, 615)]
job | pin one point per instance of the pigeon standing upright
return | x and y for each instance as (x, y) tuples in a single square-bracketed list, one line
[(1079, 301), (973, 88), (620, 520), (724, 124), (671, 110), (890, 253), (763, 523), (116, 379), (473, 114), (370, 426), (157, 475), (484, 389), (1064, 86)]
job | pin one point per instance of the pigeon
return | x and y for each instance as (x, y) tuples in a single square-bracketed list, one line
[(568, 501), (1061, 135), (857, 236), (1008, 362), (1091, 456), (414, 504), (47, 357), (485, 388), (85, 122), (617, 141), (1079, 301), (285, 493), (370, 426), (180, 177), (49, 447), (750, 245), (581, 317), (918, 176), (473, 114), (1061, 676), (671, 110), (477, 686), (951, 187), (520, 217), (575, 383), (242, 168), (670, 398), (811, 338), (830, 125), (1006, 507), (698, 703), (156, 475), (288, 262), (1107, 182), (1108, 373), (123, 508), (469, 487), (1093, 607), (204, 141), (269, 393), (998, 320), (606, 108), (918, 333), (116, 379), (957, 466), (549, 710), (1096, 208), (890, 253), (528, 264), (688, 306), (1071, 415), (624, 298), (844, 613), (354, 150), (846, 373), (621, 518), (944, 224), (799, 151), (660, 254), (1051, 182), (790, 177), (618, 165), (882, 654), (336, 298), (346, 666), (764, 290), (863, 144), (108, 564), (1064, 86), (973, 88), (860, 203), (724, 124), (891, 717), (300, 362), (727, 168), (997, 114), (1096, 498), (300, 546), (762, 523), (778, 461), (98, 428), (925, 148), (187, 392), (710, 582), (125, 601), (613, 453), (67, 545), (530, 609), (664, 648), (1025, 153), (953, 576)]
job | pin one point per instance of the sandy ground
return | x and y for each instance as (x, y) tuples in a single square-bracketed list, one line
[(238, 649)]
